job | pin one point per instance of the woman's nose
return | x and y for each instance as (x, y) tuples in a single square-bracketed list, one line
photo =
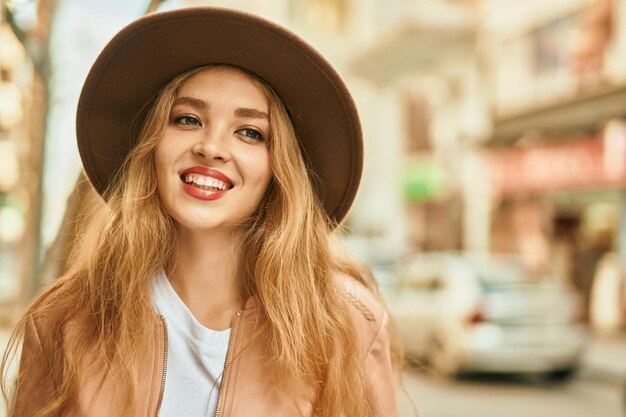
[(212, 144)]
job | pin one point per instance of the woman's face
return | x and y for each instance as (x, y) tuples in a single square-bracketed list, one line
[(213, 163)]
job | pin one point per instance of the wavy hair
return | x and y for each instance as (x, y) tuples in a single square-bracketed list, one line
[(102, 304)]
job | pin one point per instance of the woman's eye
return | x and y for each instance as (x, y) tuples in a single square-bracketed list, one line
[(187, 120), (252, 133)]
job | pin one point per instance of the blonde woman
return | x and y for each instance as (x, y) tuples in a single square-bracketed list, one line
[(226, 151)]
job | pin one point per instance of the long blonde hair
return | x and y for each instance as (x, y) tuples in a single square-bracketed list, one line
[(102, 304)]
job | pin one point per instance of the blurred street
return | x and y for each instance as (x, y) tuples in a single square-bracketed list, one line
[(597, 390), (491, 397)]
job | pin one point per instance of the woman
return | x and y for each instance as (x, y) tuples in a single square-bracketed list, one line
[(226, 150)]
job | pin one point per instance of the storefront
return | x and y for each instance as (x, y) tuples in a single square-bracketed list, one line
[(560, 205)]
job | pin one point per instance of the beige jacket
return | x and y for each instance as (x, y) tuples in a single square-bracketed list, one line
[(247, 389)]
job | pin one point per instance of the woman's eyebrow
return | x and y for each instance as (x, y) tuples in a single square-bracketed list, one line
[(251, 113), (191, 101), (203, 105)]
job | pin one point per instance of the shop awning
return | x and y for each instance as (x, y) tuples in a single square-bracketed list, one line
[(579, 113), (576, 165)]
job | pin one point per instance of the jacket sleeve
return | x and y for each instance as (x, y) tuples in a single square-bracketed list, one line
[(380, 374), (35, 387)]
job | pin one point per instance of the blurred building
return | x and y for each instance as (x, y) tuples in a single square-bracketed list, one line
[(508, 133), (557, 157)]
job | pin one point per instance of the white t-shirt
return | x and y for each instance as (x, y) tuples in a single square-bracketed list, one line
[(195, 360)]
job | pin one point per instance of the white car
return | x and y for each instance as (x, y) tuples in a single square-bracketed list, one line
[(484, 314)]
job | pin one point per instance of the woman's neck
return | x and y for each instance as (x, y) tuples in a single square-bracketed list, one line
[(205, 277)]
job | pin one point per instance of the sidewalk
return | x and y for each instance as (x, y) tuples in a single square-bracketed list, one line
[(605, 359)]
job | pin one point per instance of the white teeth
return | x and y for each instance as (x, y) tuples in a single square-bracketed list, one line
[(205, 182)]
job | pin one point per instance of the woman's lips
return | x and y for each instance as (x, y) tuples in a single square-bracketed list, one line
[(202, 194), (205, 183)]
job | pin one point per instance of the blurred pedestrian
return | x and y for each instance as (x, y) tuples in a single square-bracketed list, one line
[(606, 294), (227, 150)]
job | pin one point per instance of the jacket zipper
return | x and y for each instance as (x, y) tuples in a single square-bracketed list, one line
[(222, 392), (165, 348)]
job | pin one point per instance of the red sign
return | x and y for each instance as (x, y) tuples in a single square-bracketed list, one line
[(574, 165)]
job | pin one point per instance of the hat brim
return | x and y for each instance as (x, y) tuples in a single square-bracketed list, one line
[(153, 50)]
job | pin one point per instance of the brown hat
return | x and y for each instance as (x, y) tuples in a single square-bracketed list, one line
[(153, 50)]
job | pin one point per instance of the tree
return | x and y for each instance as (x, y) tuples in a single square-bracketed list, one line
[(36, 45)]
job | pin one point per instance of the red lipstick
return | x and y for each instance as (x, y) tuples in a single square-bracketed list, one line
[(200, 193)]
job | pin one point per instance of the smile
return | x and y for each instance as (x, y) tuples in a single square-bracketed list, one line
[(205, 183)]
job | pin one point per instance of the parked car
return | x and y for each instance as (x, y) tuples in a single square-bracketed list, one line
[(485, 314)]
